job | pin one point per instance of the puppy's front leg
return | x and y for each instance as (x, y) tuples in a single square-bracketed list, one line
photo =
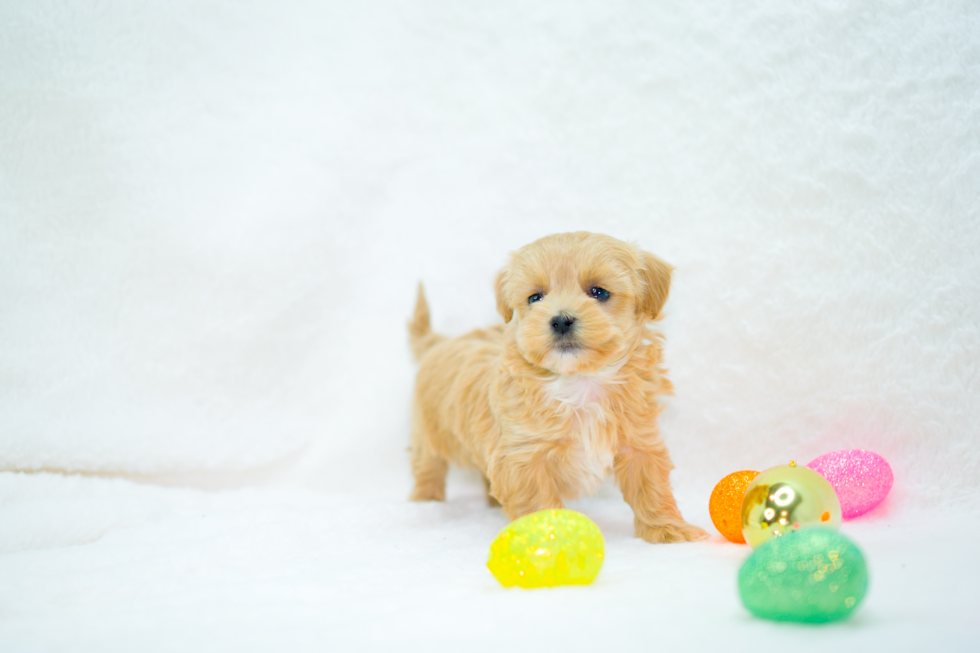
[(643, 476), (521, 482)]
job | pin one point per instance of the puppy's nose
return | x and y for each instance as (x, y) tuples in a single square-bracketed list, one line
[(562, 324)]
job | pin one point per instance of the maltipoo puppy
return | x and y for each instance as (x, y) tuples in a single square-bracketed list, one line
[(547, 404)]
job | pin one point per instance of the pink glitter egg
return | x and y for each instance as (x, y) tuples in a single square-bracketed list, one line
[(861, 479)]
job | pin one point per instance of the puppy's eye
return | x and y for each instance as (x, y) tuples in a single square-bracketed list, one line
[(599, 293), (536, 297)]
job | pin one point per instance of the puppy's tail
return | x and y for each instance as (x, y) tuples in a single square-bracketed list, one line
[(420, 335)]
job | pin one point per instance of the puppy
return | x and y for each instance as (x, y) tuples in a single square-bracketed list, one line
[(566, 390)]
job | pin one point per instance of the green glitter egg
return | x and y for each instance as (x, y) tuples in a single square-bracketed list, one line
[(547, 548), (812, 575)]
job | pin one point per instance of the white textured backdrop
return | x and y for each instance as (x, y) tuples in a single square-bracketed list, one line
[(213, 215)]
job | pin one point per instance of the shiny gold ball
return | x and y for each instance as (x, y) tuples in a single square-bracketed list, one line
[(785, 498)]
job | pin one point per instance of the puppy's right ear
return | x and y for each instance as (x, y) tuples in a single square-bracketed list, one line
[(503, 308)]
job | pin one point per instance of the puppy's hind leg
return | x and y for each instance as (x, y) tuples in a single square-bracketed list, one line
[(491, 500), (429, 470)]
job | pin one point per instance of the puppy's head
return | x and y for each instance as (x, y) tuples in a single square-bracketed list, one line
[(580, 300)]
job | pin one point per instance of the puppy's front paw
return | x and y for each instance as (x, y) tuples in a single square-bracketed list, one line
[(675, 531)]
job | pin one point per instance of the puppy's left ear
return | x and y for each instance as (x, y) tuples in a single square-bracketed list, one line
[(503, 307), (655, 281)]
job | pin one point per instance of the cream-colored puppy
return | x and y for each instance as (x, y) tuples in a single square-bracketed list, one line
[(567, 390)]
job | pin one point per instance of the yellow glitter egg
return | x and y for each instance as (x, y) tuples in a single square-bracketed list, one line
[(725, 504), (785, 498), (547, 548)]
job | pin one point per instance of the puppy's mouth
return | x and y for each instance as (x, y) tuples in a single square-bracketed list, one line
[(567, 347)]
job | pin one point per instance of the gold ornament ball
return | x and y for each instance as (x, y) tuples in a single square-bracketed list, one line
[(547, 548), (785, 498), (725, 504)]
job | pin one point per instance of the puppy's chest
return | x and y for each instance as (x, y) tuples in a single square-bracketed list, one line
[(584, 403)]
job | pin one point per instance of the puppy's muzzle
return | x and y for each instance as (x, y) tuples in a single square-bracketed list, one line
[(562, 324)]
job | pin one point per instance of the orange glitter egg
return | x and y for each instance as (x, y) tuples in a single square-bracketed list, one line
[(725, 504)]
